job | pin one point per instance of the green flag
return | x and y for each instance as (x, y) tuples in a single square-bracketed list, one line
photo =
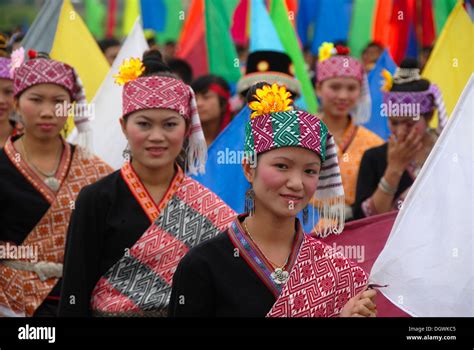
[(221, 52), (175, 16), (289, 40), (361, 26), (95, 16), (442, 9)]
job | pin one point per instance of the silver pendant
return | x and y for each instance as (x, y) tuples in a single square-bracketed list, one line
[(52, 183), (280, 276)]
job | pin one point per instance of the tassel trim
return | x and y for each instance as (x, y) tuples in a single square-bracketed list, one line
[(331, 216)]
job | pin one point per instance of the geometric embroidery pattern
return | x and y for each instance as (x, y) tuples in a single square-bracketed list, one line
[(286, 129), (424, 100), (157, 92), (295, 128), (43, 71), (340, 66), (321, 282), (22, 291), (140, 282)]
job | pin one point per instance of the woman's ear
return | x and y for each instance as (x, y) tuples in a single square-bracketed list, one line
[(249, 171), (318, 89), (16, 105), (123, 125)]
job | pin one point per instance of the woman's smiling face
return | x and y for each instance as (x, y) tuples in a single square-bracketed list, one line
[(285, 180), (155, 136), (338, 95)]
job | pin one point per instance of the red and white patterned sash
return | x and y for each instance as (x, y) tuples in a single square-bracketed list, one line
[(139, 284), (22, 292), (321, 282)]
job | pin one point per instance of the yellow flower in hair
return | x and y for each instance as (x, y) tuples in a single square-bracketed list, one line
[(129, 70), (326, 50), (270, 99), (388, 80)]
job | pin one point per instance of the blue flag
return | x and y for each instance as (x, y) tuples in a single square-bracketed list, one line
[(318, 17), (264, 36), (305, 18), (412, 47), (378, 123), (224, 174), (153, 14)]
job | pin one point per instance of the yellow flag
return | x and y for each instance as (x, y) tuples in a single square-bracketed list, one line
[(75, 45), (131, 12), (452, 59)]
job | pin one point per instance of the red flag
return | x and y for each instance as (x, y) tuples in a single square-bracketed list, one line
[(381, 29), (112, 10), (424, 16), (192, 43), (240, 23)]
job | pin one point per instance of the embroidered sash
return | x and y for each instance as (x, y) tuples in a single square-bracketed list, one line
[(22, 291), (139, 284), (320, 283)]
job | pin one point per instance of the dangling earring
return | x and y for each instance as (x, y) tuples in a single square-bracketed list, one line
[(250, 201), (305, 215), (126, 153), (185, 156)]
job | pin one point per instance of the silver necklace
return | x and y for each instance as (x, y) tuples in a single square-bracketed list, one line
[(279, 275), (50, 180)]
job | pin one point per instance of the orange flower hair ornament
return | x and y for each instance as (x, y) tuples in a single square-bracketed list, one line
[(130, 70), (271, 99)]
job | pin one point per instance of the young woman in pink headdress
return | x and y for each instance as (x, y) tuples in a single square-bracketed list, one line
[(130, 230), (264, 265), (342, 87), (41, 177), (7, 126)]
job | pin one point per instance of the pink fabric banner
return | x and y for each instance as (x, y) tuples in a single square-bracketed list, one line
[(366, 238)]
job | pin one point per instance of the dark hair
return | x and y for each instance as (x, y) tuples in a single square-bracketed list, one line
[(182, 69), (201, 86), (373, 44), (14, 39), (253, 90), (18, 37), (150, 36), (427, 49), (241, 48), (340, 42), (104, 44), (170, 42), (154, 63)]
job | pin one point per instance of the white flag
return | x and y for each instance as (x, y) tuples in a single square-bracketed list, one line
[(428, 259), (109, 141)]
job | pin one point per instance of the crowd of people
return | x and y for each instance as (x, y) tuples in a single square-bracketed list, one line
[(148, 239)]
